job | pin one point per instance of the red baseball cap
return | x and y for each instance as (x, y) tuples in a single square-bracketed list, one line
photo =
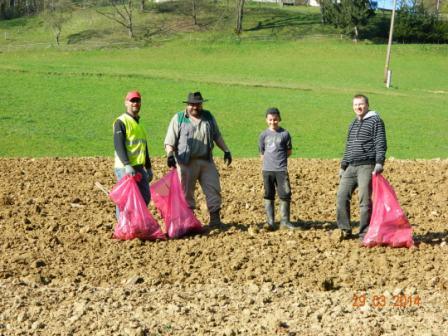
[(133, 94)]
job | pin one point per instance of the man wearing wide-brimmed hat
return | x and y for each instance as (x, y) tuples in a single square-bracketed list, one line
[(189, 143)]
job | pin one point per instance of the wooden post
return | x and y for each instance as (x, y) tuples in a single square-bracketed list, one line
[(389, 44)]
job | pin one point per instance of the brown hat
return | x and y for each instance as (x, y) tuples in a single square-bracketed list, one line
[(194, 98)]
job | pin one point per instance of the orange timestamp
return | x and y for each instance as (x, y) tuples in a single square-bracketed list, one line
[(380, 301)]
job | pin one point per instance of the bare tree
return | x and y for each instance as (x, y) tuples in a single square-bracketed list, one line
[(56, 14), (239, 16), (121, 14)]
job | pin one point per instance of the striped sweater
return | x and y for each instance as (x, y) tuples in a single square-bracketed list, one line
[(366, 141)]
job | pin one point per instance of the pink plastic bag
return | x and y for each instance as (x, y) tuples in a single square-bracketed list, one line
[(135, 220), (388, 224), (169, 199)]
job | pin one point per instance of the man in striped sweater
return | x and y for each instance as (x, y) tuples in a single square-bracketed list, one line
[(364, 155)]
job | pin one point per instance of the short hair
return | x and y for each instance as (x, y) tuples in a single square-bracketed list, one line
[(273, 110), (362, 96)]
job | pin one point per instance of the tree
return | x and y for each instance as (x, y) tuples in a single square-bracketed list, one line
[(348, 15), (56, 14), (416, 24), (356, 13), (239, 16), (122, 14), (15, 8)]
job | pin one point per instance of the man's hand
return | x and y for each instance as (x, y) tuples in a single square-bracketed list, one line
[(341, 172), (378, 169), (129, 170), (171, 160), (227, 158)]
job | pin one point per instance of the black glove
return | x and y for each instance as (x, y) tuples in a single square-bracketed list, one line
[(227, 158), (171, 161)]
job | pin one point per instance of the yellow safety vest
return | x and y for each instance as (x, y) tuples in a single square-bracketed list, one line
[(135, 142)]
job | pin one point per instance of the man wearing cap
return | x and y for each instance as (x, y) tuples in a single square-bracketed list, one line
[(189, 144), (131, 149), (364, 155)]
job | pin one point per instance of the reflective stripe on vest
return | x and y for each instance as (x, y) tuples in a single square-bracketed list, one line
[(135, 141)]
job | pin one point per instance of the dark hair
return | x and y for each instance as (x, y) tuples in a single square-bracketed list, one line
[(273, 110), (362, 96)]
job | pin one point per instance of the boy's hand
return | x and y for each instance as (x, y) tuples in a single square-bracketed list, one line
[(227, 158)]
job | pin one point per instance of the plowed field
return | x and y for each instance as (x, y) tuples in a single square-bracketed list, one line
[(61, 273)]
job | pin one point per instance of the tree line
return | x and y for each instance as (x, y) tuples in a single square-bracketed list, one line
[(417, 21)]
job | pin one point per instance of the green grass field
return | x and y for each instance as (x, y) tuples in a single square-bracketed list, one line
[(62, 102)]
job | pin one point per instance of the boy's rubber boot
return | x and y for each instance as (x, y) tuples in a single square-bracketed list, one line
[(215, 219), (285, 213), (270, 214)]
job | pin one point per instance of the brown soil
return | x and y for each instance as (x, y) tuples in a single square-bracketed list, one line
[(61, 273)]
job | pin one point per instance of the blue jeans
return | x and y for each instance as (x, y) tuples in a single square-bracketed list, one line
[(143, 184)]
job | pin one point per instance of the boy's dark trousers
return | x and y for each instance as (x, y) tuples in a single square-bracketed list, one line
[(276, 180), (279, 180)]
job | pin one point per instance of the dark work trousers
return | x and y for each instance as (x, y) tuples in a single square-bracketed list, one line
[(279, 180), (143, 184), (353, 177)]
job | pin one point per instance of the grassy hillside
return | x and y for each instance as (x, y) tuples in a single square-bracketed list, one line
[(159, 22), (62, 102)]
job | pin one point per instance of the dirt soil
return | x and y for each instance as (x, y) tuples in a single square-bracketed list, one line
[(61, 273)]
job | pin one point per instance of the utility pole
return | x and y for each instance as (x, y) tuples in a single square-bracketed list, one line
[(387, 72)]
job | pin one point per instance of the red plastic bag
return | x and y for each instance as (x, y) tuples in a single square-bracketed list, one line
[(135, 220), (388, 224), (169, 199)]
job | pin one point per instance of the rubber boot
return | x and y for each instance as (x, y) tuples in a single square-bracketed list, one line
[(270, 214), (285, 212), (215, 219)]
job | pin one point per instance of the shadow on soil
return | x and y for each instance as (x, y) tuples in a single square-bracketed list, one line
[(431, 238)]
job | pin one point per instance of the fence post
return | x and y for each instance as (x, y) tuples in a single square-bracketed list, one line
[(389, 78)]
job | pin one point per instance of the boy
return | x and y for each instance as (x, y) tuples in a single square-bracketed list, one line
[(275, 147)]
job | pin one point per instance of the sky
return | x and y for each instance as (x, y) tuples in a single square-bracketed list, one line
[(387, 4)]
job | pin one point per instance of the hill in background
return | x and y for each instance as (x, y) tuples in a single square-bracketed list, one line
[(95, 27)]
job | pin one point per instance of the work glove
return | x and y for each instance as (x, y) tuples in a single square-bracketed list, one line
[(129, 170), (341, 172), (378, 169), (150, 174), (171, 161), (227, 158)]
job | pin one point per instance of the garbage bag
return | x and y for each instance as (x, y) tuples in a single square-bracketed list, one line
[(169, 200), (388, 224), (135, 220)]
